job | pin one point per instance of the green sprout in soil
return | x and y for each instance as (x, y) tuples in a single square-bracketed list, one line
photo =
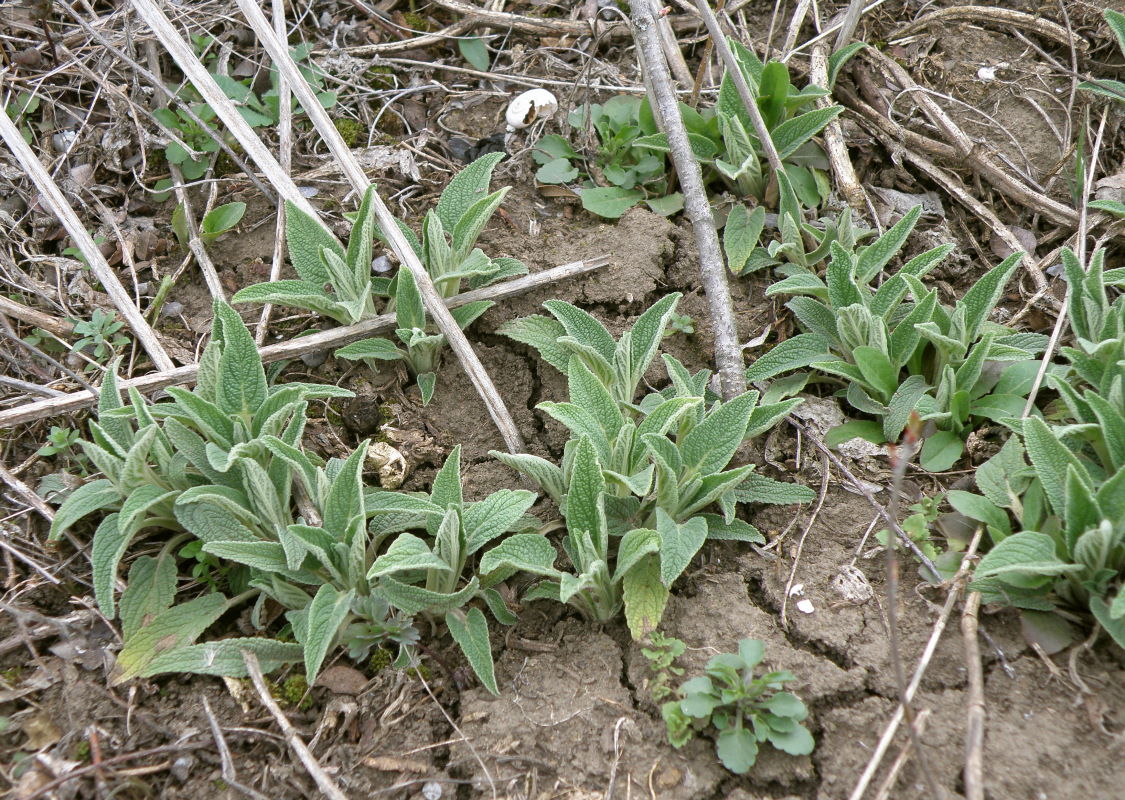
[(744, 710)]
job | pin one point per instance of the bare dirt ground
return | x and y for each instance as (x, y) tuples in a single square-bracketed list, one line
[(574, 718)]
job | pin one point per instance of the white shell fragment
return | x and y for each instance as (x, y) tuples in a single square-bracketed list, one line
[(388, 463), (529, 106), (805, 607)]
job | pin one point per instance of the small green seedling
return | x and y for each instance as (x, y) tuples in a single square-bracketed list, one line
[(100, 336), (619, 175), (59, 440), (661, 653), (744, 710), (680, 323), (219, 220)]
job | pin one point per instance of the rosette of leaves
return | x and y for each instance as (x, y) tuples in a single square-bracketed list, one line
[(315, 567), (669, 451), (631, 572), (799, 247), (339, 284), (1053, 498), (744, 710), (212, 435), (619, 175), (725, 138), (953, 367), (431, 574)]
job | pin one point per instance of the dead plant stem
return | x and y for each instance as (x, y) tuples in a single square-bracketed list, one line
[(728, 355)]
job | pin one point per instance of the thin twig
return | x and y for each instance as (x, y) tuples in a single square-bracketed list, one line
[(893, 138), (434, 305), (891, 521), (923, 664), (1004, 18), (168, 94), (728, 355), (824, 471), (230, 776), (61, 208), (888, 784), (974, 716), (902, 458), (324, 340), (285, 156), (969, 151), (80, 772), (326, 785), (1080, 254)]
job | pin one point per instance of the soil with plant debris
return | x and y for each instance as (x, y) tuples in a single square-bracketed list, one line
[(575, 717)]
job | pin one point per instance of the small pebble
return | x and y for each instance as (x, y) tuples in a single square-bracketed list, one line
[(181, 768), (172, 308), (380, 264), (805, 607), (62, 140), (314, 359), (431, 790)]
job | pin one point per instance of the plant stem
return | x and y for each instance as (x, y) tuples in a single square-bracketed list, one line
[(728, 355)]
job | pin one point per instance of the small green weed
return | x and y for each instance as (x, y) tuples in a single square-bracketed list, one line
[(744, 710), (100, 336), (661, 653), (619, 174)]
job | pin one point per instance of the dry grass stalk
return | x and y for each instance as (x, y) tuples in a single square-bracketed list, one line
[(433, 302), (324, 340), (728, 355)]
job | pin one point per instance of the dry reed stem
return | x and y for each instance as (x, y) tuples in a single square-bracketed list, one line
[(697, 208), (279, 53), (975, 711), (327, 786), (335, 337)]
